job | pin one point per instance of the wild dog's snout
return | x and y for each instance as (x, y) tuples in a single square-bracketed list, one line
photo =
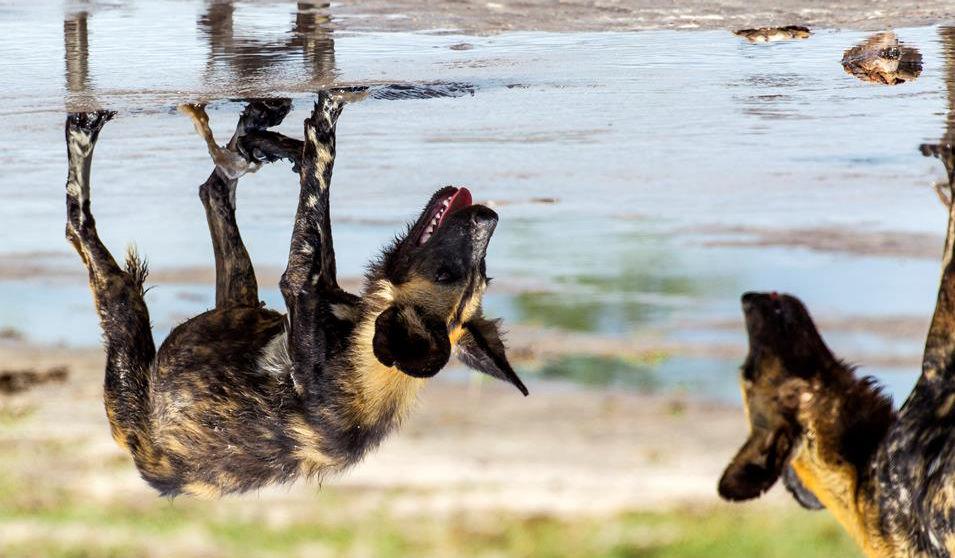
[(483, 221), (762, 302), (484, 217), (748, 301)]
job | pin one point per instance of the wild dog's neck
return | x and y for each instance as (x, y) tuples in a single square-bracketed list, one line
[(845, 420), (381, 393)]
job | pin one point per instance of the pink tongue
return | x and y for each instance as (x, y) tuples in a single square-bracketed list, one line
[(460, 200)]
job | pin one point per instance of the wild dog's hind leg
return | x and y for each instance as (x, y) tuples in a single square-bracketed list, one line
[(940, 344), (235, 276), (118, 295), (311, 276)]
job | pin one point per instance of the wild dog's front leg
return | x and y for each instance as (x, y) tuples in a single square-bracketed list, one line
[(940, 344), (311, 266)]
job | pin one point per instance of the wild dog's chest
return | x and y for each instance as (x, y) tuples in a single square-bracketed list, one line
[(384, 393), (837, 486)]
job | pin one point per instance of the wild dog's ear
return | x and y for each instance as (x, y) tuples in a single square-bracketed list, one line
[(481, 348), (799, 491), (756, 466), (411, 341)]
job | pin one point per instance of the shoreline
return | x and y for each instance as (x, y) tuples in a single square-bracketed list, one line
[(487, 18)]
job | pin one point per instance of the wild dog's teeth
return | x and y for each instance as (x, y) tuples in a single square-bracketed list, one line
[(428, 232)]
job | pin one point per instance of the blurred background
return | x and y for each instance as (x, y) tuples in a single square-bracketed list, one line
[(648, 167)]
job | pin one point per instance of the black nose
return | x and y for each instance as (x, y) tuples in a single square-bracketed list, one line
[(483, 223), (748, 300), (483, 216)]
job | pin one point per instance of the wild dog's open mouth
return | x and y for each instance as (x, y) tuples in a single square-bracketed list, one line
[(448, 202)]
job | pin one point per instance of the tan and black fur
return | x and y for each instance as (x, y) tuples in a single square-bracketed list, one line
[(888, 477), (242, 396)]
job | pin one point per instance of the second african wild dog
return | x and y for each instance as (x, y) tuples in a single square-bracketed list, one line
[(242, 396), (888, 477)]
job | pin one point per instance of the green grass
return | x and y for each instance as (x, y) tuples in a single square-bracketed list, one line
[(597, 370), (244, 527)]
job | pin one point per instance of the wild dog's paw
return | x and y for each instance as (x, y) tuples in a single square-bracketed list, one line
[(82, 130), (88, 123), (196, 112), (352, 94), (945, 152), (230, 164), (328, 107), (261, 114)]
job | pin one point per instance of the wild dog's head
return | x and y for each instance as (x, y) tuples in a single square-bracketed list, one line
[(786, 353), (435, 276)]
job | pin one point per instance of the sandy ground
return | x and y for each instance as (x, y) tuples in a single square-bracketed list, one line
[(470, 446), (483, 17)]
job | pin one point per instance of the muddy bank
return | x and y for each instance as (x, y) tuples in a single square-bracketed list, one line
[(53, 266), (479, 17), (858, 242), (536, 339)]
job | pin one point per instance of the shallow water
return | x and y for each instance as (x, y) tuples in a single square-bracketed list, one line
[(657, 147)]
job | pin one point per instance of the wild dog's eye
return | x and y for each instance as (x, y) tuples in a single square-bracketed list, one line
[(446, 275)]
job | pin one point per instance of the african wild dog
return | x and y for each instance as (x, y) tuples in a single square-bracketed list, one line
[(887, 477), (242, 396)]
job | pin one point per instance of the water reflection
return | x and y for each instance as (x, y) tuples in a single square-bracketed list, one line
[(76, 53), (947, 35), (943, 150), (883, 59), (244, 51), (247, 54)]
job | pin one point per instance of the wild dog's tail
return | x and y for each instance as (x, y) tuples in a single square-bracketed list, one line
[(130, 353), (118, 296)]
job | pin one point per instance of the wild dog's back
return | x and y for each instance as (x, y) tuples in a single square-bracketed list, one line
[(917, 459), (917, 476)]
